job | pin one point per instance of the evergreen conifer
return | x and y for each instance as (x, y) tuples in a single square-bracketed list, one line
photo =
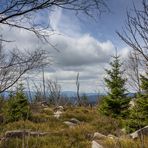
[(115, 103)]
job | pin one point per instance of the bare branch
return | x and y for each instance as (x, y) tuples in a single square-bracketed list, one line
[(17, 63), (54, 90), (135, 33), (133, 66), (21, 13)]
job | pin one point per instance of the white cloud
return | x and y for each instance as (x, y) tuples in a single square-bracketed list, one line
[(55, 17), (84, 50), (124, 52), (79, 52)]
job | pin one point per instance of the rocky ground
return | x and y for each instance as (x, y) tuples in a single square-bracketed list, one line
[(66, 127)]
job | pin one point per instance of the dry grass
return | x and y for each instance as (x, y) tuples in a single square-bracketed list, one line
[(123, 143), (77, 137)]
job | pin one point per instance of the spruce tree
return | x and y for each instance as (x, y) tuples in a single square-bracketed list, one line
[(17, 107), (139, 114), (115, 103), (142, 100), (144, 83)]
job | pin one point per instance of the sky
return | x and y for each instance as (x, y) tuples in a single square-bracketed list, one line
[(85, 45)]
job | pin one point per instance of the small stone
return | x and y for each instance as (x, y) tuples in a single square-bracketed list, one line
[(96, 145), (74, 120), (99, 136), (16, 133), (132, 103), (138, 133), (134, 135), (123, 130), (112, 136), (38, 133), (70, 124), (57, 114), (59, 108)]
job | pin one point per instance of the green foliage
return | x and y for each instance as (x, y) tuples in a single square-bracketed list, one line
[(144, 83), (116, 103), (17, 107), (1, 104), (142, 101), (82, 114), (139, 114)]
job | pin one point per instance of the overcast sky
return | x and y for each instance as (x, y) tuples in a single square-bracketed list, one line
[(84, 45)]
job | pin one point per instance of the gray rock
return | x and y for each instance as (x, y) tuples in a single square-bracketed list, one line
[(74, 120), (134, 135), (70, 124), (21, 133), (16, 133), (138, 133), (123, 130), (96, 145), (43, 104), (59, 108), (34, 134), (99, 136), (2, 139), (57, 114), (112, 136), (131, 103)]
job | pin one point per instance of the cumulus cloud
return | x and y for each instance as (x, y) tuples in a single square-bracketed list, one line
[(19, 38), (124, 52), (84, 50), (78, 52)]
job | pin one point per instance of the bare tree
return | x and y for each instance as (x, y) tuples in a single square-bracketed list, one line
[(38, 92), (22, 13), (133, 71), (54, 90), (135, 33), (29, 90), (78, 89), (16, 63), (44, 86)]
